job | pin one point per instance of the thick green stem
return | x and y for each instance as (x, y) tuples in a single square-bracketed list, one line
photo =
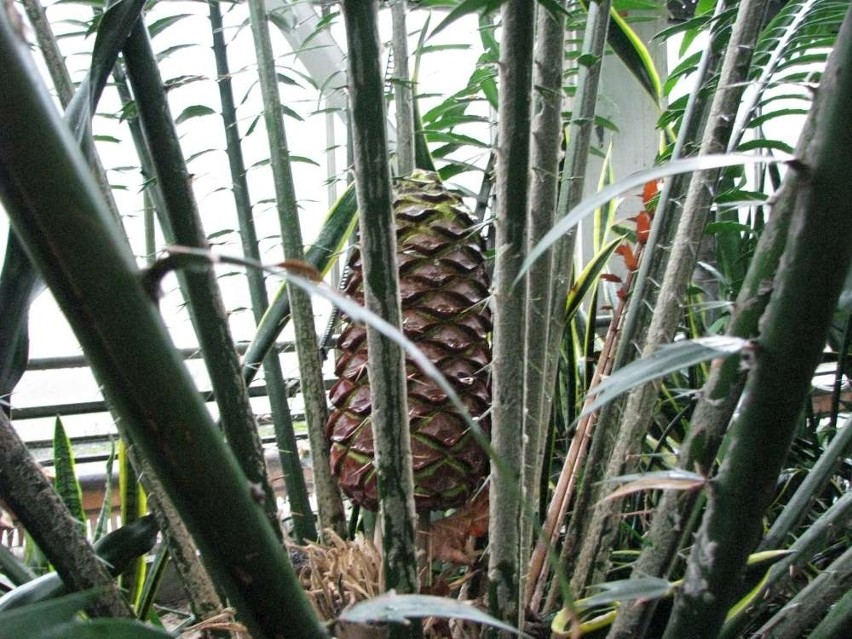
[(202, 292), (594, 555), (509, 303), (74, 241), (793, 333), (402, 91), (546, 137), (571, 187), (717, 403), (719, 398), (381, 291), (330, 505)]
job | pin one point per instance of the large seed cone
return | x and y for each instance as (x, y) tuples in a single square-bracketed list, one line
[(444, 287)]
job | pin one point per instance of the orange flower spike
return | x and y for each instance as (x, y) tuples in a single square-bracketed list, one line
[(628, 255), (643, 227), (650, 191)]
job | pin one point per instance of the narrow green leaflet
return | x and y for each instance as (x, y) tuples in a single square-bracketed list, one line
[(657, 480), (674, 167), (194, 111), (627, 590), (393, 608), (614, 592), (464, 8), (660, 363)]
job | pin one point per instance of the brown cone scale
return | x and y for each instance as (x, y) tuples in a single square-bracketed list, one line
[(444, 289)]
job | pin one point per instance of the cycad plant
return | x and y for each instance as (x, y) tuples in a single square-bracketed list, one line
[(639, 457)]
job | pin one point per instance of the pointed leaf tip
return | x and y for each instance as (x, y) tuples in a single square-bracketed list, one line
[(393, 608), (662, 362)]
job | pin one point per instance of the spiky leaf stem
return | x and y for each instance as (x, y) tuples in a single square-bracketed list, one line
[(513, 164), (837, 621), (690, 130), (633, 323), (793, 333), (73, 239), (202, 292), (297, 493), (402, 91), (329, 501), (571, 191), (53, 58), (719, 398), (546, 138), (812, 602), (594, 554), (381, 287)]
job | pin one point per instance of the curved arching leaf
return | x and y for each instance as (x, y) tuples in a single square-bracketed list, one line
[(393, 608), (668, 359), (674, 167)]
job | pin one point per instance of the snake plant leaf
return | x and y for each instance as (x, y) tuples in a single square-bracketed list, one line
[(668, 359), (66, 482), (588, 278), (106, 505), (630, 49), (639, 178), (393, 608)]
